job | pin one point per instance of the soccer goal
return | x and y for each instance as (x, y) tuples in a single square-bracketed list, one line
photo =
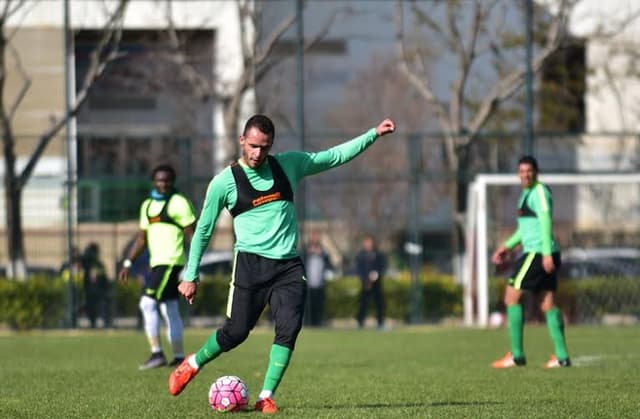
[(596, 222)]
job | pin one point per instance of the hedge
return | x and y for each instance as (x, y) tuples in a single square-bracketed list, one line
[(37, 302), (41, 302), (584, 300)]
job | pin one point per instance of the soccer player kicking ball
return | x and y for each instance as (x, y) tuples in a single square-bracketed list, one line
[(258, 191), (535, 270)]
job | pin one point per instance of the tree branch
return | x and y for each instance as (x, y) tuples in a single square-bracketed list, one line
[(423, 17), (9, 11), (420, 84), (265, 66), (512, 82), (109, 45), (267, 46)]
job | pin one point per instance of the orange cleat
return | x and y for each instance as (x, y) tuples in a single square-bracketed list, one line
[(554, 362), (508, 361), (180, 377), (267, 406)]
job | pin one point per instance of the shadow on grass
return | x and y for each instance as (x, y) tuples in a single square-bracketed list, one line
[(250, 410), (401, 405)]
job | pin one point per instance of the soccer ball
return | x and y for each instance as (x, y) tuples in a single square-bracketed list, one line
[(496, 320), (228, 394)]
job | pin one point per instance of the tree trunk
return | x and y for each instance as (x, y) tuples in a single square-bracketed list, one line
[(226, 149), (13, 198), (458, 197)]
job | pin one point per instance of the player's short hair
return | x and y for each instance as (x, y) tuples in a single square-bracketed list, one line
[(263, 123), (164, 168), (529, 160)]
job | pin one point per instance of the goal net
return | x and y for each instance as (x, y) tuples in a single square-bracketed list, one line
[(596, 221)]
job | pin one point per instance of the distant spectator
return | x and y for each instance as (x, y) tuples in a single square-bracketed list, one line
[(96, 287), (317, 265), (73, 267), (371, 265)]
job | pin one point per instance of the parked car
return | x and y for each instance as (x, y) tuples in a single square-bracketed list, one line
[(600, 261)]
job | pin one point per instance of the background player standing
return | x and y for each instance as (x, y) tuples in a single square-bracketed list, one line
[(167, 222), (535, 270)]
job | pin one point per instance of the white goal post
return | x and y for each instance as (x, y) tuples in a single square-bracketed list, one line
[(476, 260)]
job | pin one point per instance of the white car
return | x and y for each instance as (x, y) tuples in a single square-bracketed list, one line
[(600, 261)]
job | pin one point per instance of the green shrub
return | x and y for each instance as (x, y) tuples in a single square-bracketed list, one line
[(211, 301), (212, 297), (441, 297), (126, 299), (591, 298), (583, 300), (35, 303), (341, 298), (42, 302)]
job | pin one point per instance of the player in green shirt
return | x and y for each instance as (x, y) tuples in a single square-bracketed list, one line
[(535, 270), (258, 192), (166, 223)]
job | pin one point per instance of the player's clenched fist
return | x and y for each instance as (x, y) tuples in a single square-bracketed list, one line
[(385, 127), (188, 289)]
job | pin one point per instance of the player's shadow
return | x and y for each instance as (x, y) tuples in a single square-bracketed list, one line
[(385, 405), (394, 405)]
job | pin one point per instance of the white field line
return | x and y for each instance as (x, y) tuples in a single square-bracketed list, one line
[(588, 360)]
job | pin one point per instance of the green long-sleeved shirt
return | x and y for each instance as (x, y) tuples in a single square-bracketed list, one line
[(535, 210), (270, 230)]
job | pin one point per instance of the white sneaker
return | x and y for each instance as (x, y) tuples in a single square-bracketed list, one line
[(554, 362), (508, 361)]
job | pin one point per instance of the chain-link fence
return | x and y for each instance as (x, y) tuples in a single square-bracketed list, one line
[(398, 186)]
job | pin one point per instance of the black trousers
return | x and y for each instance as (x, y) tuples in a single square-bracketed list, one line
[(259, 281), (375, 292)]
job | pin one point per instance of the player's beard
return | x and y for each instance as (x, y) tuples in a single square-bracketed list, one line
[(253, 163)]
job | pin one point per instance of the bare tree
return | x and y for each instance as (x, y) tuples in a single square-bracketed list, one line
[(377, 91), (257, 44), (470, 31), (14, 180), (473, 31)]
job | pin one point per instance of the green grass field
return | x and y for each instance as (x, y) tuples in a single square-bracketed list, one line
[(425, 372)]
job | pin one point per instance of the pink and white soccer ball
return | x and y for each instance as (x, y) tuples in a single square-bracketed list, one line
[(228, 394), (496, 320)]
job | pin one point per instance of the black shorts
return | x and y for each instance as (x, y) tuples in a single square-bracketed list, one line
[(529, 274), (162, 283)]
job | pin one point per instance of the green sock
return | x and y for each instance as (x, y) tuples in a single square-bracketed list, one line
[(209, 351), (556, 330), (515, 318), (278, 362)]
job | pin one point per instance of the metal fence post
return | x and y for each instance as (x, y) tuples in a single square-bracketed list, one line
[(414, 246)]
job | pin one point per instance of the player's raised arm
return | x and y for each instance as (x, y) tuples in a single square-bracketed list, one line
[(345, 152)]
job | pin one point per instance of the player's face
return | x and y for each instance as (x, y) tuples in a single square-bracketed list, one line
[(255, 146), (527, 175), (163, 182)]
